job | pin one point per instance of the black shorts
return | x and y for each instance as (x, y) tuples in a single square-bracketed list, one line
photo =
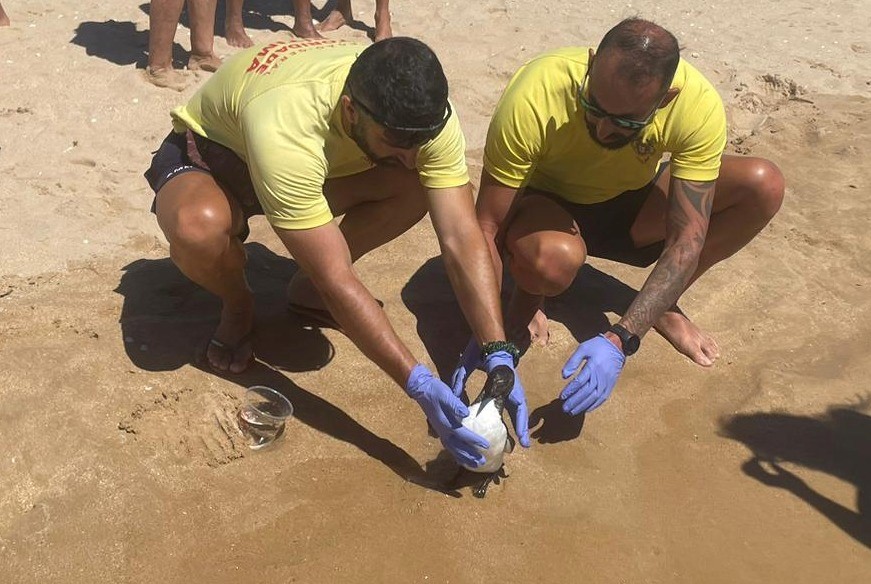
[(190, 152), (605, 226)]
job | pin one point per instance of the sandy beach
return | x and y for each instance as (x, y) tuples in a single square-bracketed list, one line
[(120, 460)]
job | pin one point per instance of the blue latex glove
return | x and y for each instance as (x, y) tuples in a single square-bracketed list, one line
[(470, 360), (445, 413), (516, 402), (593, 385)]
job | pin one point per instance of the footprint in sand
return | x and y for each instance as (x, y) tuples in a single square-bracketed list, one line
[(188, 426)]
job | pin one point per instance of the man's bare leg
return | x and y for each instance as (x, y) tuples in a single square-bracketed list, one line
[(544, 252), (163, 16), (377, 206), (201, 224), (234, 27), (4, 19), (337, 18), (202, 21), (383, 30), (535, 329), (303, 26), (749, 193)]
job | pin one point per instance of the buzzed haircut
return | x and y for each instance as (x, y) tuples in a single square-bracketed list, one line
[(401, 80), (646, 51)]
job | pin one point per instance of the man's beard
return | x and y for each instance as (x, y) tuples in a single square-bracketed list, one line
[(617, 144), (357, 134)]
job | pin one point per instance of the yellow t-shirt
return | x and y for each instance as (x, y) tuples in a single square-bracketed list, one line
[(276, 106), (538, 137)]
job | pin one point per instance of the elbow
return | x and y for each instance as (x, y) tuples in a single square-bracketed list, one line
[(462, 240), (452, 247)]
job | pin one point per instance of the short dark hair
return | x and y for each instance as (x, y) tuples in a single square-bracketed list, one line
[(646, 51), (401, 81)]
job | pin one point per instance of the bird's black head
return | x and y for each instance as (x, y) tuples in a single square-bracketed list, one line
[(500, 382)]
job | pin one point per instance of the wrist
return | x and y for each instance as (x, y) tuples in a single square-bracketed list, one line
[(419, 376), (629, 342), (614, 339), (498, 358)]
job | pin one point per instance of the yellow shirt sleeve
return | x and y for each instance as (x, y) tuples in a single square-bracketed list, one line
[(441, 162), (515, 136), (698, 143)]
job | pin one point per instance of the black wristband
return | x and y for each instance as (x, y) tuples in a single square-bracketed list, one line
[(630, 341), (495, 346)]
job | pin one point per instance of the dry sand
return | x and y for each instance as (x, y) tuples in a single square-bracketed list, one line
[(119, 461)]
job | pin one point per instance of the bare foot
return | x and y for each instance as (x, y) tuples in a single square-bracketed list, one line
[(232, 348), (535, 332), (334, 20), (4, 20), (539, 333), (687, 338), (236, 36), (166, 77), (305, 32), (382, 27), (204, 62)]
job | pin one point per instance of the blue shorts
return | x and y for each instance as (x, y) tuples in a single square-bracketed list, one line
[(190, 152)]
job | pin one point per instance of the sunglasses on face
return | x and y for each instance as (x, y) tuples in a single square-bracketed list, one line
[(412, 134), (597, 112)]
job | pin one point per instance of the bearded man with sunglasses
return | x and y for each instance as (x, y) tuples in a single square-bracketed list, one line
[(305, 131), (574, 166)]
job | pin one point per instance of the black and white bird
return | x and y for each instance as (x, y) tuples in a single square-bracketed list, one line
[(485, 419)]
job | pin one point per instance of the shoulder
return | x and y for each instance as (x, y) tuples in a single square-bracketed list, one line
[(555, 68), (697, 112), (695, 89), (545, 86)]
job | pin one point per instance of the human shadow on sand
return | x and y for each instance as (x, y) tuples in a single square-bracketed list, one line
[(258, 14), (121, 43), (837, 442), (166, 321), (445, 333)]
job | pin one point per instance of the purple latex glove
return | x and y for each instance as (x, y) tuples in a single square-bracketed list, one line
[(445, 413), (593, 385), (516, 402), (470, 360)]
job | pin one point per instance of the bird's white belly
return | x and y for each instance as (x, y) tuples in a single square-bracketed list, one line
[(486, 421)]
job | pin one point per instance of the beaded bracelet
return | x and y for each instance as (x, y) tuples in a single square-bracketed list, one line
[(495, 346)]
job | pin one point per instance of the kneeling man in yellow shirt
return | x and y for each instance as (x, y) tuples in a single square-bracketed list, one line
[(304, 131), (574, 165)]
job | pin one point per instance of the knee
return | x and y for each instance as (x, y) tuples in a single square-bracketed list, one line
[(199, 227), (546, 268), (768, 186)]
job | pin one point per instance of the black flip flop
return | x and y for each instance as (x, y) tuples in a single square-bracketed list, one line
[(318, 317), (231, 349)]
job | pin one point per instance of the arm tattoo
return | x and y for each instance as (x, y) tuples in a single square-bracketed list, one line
[(689, 211)]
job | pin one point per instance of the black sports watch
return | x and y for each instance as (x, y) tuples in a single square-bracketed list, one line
[(630, 341)]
